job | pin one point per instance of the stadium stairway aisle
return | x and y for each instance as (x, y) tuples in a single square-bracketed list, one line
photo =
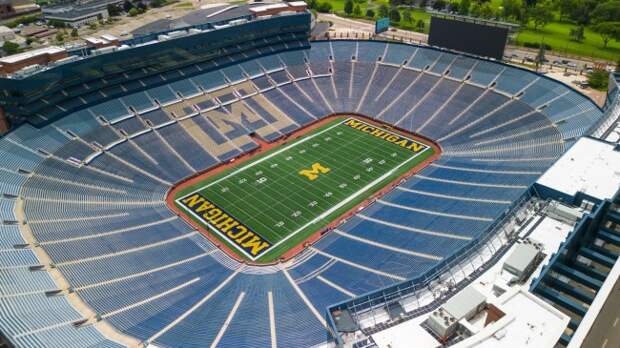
[(84, 218)]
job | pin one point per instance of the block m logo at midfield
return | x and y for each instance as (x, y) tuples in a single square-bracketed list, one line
[(314, 171)]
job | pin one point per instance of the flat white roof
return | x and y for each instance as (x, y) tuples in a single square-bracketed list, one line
[(94, 40), (591, 166), (109, 37), (297, 3), (26, 55), (528, 322), (402, 335), (268, 7)]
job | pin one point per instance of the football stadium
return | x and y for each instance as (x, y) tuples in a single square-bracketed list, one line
[(235, 183)]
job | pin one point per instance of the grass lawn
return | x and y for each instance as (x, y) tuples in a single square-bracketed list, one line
[(556, 35), (268, 205)]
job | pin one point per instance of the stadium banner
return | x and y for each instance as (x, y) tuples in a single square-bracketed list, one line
[(382, 25), (386, 135), (250, 243)]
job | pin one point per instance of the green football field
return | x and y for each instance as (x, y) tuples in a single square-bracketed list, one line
[(271, 203)]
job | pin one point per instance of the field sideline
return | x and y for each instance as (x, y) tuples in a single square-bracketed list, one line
[(268, 205)]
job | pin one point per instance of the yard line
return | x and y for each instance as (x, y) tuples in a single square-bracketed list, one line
[(303, 140), (352, 197), (285, 203)]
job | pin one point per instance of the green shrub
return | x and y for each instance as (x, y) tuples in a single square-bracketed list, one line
[(597, 79), (536, 45)]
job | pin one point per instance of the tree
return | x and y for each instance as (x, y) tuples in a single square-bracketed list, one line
[(577, 34), (60, 37), (581, 11), (133, 12), (394, 15), (598, 79), (370, 13), (407, 17), (420, 25), (542, 14), (383, 11), (10, 48), (608, 31), (606, 12), (157, 3), (74, 33), (453, 6), (464, 7), (540, 57), (56, 23), (324, 7), (127, 6), (357, 10), (565, 7), (114, 11), (348, 7), (511, 8), (439, 5)]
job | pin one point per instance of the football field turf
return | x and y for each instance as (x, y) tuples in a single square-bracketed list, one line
[(270, 203)]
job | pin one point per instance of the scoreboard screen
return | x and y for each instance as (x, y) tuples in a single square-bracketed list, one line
[(474, 38)]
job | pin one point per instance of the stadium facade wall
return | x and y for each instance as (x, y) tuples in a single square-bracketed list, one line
[(21, 97)]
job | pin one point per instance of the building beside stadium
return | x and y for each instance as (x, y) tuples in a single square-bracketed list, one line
[(398, 193)]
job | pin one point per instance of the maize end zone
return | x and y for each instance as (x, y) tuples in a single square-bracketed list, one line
[(267, 205)]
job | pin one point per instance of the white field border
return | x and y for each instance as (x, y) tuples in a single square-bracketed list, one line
[(318, 217)]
